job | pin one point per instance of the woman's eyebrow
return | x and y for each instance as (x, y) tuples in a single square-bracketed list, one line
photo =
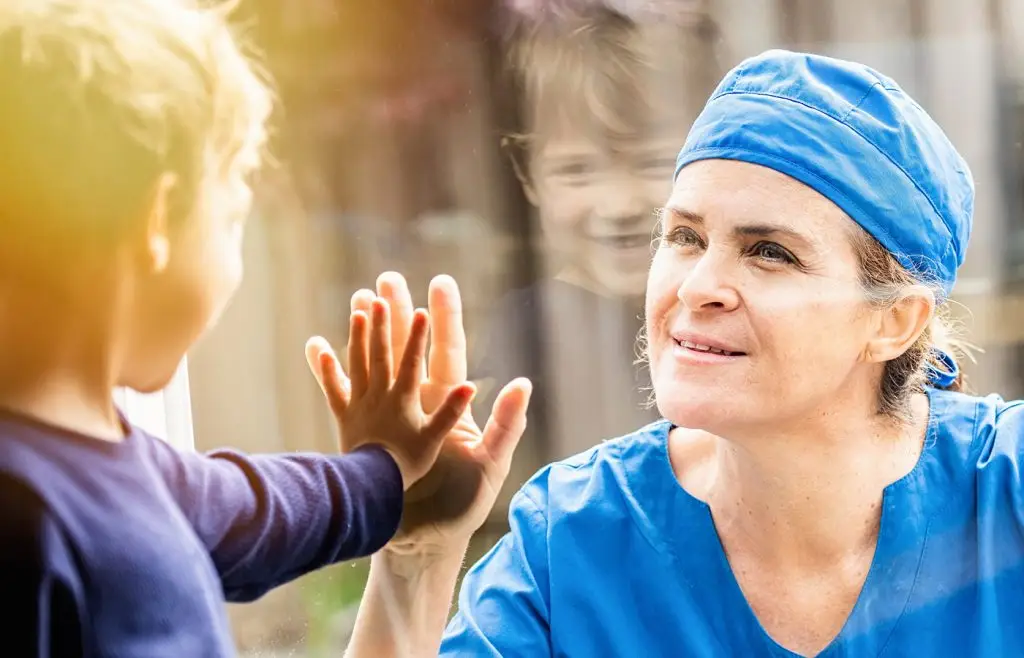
[(678, 214)]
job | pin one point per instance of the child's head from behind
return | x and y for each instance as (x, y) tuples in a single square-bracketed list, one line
[(128, 129), (608, 103)]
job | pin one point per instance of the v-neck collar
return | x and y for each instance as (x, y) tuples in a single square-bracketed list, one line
[(683, 527)]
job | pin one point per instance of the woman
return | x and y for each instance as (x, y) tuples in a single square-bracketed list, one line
[(817, 486)]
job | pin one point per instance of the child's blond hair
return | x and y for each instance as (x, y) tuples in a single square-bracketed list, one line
[(600, 66), (98, 98)]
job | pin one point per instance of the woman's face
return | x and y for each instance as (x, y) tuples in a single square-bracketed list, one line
[(761, 268)]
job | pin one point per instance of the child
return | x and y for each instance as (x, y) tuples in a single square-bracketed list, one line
[(128, 131), (607, 97)]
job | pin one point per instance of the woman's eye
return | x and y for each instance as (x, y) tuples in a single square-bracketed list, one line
[(772, 253), (683, 237)]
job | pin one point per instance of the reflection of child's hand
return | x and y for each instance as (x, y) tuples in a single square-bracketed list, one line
[(375, 404)]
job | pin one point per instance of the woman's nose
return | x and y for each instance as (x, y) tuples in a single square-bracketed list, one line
[(708, 284)]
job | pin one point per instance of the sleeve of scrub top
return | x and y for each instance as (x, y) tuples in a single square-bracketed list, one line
[(998, 444), (503, 604), (999, 436)]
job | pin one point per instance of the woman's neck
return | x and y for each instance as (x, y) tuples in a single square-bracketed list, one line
[(801, 500)]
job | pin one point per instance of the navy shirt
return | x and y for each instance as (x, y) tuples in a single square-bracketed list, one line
[(131, 548)]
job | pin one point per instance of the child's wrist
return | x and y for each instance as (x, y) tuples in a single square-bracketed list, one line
[(397, 459)]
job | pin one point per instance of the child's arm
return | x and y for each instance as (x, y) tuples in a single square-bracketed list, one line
[(38, 580), (269, 519)]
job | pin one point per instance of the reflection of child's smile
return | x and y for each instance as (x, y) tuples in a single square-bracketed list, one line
[(624, 255), (623, 242)]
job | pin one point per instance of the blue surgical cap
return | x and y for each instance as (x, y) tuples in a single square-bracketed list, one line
[(854, 136)]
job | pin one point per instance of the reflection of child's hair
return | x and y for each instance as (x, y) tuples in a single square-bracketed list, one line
[(102, 96), (598, 65)]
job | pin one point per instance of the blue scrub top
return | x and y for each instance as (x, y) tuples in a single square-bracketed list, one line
[(609, 556)]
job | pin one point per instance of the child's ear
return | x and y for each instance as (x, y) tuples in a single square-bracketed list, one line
[(156, 249), (516, 154), (528, 190)]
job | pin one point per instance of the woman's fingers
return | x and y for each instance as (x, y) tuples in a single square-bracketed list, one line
[(507, 422), (358, 347), (394, 289), (361, 300), (447, 359)]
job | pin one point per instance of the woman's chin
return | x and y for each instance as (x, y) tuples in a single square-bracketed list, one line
[(704, 413)]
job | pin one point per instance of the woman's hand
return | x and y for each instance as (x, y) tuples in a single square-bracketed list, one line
[(445, 507)]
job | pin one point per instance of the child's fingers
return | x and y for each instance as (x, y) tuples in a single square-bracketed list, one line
[(319, 356), (507, 422), (358, 357), (455, 404), (335, 385), (393, 288), (381, 364), (410, 371), (316, 346)]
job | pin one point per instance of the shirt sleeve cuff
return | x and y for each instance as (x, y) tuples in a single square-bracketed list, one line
[(384, 494)]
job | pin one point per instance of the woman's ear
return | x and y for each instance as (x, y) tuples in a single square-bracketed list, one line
[(901, 324)]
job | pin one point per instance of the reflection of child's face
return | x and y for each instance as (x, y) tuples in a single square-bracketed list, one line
[(596, 202), (608, 108)]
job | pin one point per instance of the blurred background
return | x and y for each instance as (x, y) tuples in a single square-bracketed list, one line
[(523, 147)]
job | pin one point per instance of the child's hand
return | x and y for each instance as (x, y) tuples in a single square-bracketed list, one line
[(375, 404), (453, 500)]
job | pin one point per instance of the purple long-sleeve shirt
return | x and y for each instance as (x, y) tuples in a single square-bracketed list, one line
[(131, 548)]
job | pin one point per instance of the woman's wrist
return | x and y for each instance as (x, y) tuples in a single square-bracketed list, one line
[(412, 564), (406, 604)]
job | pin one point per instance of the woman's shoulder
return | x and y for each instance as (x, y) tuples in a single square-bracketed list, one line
[(601, 476), (977, 430), (972, 417)]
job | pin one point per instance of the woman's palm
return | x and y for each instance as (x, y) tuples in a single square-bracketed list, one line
[(452, 501)]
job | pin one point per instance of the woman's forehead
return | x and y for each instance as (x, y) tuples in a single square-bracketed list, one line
[(734, 191)]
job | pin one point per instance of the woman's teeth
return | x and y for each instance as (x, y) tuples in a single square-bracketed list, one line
[(706, 348)]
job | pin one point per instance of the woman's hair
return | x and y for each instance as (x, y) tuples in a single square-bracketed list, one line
[(884, 280)]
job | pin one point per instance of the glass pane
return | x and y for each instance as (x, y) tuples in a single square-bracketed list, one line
[(525, 150)]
